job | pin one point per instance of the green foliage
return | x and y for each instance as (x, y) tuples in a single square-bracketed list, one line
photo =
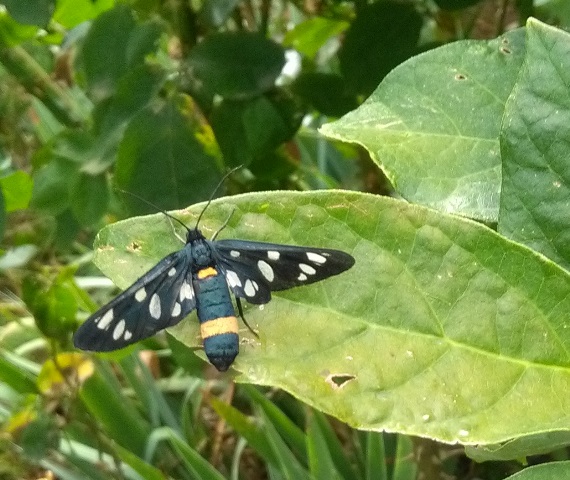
[(444, 332), (534, 148), (442, 151)]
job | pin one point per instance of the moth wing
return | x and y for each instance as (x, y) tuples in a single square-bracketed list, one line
[(275, 267), (159, 299)]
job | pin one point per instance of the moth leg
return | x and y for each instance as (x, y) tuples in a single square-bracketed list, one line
[(175, 232), (225, 224), (240, 311)]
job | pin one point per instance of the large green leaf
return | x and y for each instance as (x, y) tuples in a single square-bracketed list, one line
[(433, 124), (248, 130), (535, 149), (51, 187), (235, 65), (161, 160), (115, 45), (89, 198), (327, 92), (31, 12), (383, 35), (443, 328)]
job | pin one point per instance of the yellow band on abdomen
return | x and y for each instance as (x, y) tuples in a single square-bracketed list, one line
[(218, 326), (207, 272)]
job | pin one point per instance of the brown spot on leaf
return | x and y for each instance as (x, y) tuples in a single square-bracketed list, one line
[(134, 246)]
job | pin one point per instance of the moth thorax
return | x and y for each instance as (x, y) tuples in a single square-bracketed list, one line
[(201, 254)]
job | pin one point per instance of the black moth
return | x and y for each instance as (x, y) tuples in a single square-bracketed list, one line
[(200, 276)]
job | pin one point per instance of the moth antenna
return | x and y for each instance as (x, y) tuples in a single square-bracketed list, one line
[(156, 207), (220, 183)]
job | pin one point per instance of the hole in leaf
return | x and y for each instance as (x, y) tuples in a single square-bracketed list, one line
[(460, 76), (339, 380)]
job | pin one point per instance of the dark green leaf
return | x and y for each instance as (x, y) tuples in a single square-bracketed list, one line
[(383, 35), (83, 151), (535, 147), (115, 45), (161, 160), (134, 90), (89, 198), (31, 12), (51, 187), (40, 436), (455, 4), (251, 129), (215, 12), (235, 65), (326, 92), (67, 229)]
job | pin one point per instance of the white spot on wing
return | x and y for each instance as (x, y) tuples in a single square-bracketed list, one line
[(233, 279), (154, 306), (176, 310), (186, 291), (302, 277), (266, 270), (234, 253), (128, 335), (273, 255), (307, 269), (171, 272), (119, 329), (140, 295), (105, 320), (316, 258), (249, 288)]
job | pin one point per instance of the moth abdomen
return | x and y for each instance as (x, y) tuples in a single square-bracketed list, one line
[(218, 322)]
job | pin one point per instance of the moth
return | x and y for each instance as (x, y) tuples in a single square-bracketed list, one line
[(200, 277)]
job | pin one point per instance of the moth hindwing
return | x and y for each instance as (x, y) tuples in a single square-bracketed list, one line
[(200, 277)]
